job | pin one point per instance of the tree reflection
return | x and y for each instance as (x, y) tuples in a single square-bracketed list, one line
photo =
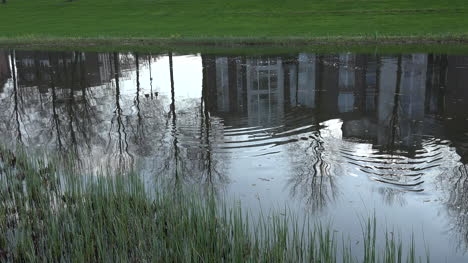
[(71, 104), (179, 168), (124, 158), (392, 196), (16, 98), (73, 118), (190, 157), (139, 127), (55, 115), (394, 121), (211, 166), (456, 186), (150, 76), (87, 113), (311, 179), (147, 130)]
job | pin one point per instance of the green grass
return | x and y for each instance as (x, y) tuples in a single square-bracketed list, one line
[(50, 214), (183, 22)]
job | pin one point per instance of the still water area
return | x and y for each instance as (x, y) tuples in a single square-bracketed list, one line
[(337, 136)]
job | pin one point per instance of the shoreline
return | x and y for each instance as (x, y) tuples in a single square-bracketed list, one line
[(392, 44)]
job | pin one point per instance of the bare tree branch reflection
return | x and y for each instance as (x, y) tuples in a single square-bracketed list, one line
[(139, 127), (311, 179), (393, 196), (19, 136), (147, 127), (71, 104), (55, 115), (191, 156), (176, 158), (456, 186), (211, 174), (124, 158)]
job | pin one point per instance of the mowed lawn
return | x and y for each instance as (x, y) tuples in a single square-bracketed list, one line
[(254, 19)]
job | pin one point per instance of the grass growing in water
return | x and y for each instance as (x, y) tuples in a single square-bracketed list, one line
[(52, 214)]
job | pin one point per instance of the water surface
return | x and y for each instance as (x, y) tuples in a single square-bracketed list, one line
[(336, 135)]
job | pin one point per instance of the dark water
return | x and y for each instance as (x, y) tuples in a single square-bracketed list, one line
[(338, 135)]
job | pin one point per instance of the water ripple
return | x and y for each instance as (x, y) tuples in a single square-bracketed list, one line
[(400, 169)]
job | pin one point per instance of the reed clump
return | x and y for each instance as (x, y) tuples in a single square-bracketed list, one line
[(52, 214)]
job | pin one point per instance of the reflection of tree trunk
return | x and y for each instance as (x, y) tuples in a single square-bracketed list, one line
[(205, 128), (120, 126), (172, 107), (174, 119), (139, 128), (209, 82), (54, 104), (394, 122), (16, 98), (151, 76), (71, 104), (313, 177), (138, 88), (86, 107)]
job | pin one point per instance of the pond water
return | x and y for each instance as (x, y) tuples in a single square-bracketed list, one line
[(339, 136)]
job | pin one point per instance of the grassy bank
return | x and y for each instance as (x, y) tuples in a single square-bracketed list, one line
[(225, 47), (240, 21), (52, 214)]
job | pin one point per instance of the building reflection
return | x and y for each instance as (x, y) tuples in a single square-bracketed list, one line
[(382, 99), (454, 104), (391, 102), (33, 69), (77, 102)]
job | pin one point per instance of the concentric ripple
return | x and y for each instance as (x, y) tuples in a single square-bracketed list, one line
[(400, 169), (314, 146)]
